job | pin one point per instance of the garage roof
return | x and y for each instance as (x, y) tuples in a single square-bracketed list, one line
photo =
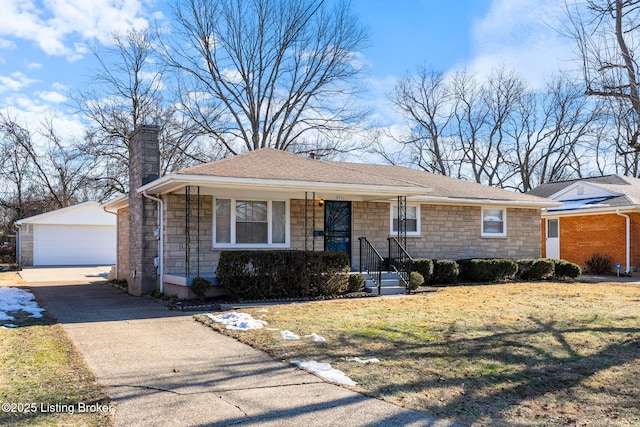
[(87, 213)]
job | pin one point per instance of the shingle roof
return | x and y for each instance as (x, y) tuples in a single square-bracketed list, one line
[(271, 164), (627, 187)]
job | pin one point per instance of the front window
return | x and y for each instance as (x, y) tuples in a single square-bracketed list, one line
[(494, 222), (413, 220), (250, 223)]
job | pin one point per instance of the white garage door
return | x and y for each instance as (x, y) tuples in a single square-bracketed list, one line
[(74, 245)]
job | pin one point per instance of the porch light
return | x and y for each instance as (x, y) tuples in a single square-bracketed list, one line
[(320, 202)]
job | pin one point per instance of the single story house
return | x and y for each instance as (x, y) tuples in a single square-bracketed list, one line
[(82, 234), (597, 215), (174, 228)]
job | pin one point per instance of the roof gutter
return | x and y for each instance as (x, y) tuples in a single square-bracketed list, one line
[(160, 222), (627, 240), (172, 182)]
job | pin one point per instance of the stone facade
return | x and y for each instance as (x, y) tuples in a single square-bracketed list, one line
[(123, 244), (144, 167), (447, 232), (177, 260)]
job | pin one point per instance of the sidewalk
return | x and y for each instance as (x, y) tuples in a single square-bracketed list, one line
[(162, 368)]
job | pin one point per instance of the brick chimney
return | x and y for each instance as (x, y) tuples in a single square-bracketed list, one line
[(144, 167)]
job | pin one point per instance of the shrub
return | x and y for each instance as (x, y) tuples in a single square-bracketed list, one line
[(199, 287), (599, 264), (535, 269), (487, 270), (424, 266), (282, 274), (444, 272), (415, 281), (566, 269), (356, 283)]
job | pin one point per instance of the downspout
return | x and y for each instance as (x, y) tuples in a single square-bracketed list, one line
[(628, 240), (160, 237), (117, 239)]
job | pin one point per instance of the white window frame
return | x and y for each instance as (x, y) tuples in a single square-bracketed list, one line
[(504, 221), (233, 244), (392, 209)]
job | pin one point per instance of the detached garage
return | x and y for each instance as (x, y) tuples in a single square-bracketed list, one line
[(83, 234)]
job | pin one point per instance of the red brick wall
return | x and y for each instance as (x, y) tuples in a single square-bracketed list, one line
[(582, 236)]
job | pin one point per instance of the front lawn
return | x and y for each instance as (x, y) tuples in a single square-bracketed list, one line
[(534, 354), (43, 378)]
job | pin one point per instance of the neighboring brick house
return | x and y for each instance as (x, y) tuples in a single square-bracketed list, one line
[(270, 199), (597, 215)]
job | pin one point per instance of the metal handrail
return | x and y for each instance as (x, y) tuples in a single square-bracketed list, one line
[(400, 261), (371, 261)]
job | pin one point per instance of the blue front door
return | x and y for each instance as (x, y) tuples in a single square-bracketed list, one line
[(337, 227)]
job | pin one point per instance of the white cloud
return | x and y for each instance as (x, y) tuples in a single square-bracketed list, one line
[(52, 96), (523, 35), (62, 27), (15, 82)]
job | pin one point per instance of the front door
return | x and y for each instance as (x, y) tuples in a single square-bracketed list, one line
[(553, 238), (337, 226)]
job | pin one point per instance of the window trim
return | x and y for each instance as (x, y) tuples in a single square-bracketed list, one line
[(418, 231), (504, 222), (233, 244)]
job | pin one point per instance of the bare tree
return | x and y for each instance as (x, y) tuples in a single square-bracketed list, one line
[(607, 33), (554, 134), (425, 101), (40, 171), (269, 73), (129, 90), (498, 131)]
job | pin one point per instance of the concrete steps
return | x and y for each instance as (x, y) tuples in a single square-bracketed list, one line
[(390, 284)]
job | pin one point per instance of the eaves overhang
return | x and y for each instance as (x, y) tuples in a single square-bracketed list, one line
[(599, 210), (173, 182), (469, 201)]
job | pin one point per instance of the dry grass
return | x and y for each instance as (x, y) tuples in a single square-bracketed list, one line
[(40, 367), (513, 354)]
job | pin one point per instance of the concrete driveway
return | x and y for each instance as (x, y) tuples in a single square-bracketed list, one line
[(161, 368), (84, 274)]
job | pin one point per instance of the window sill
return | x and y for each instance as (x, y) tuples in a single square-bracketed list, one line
[(251, 246), (491, 236)]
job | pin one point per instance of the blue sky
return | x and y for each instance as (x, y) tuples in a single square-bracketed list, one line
[(44, 44)]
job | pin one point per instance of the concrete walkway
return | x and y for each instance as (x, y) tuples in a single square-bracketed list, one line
[(162, 368)]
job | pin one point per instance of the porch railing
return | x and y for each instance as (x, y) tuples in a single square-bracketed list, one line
[(400, 261), (371, 261)]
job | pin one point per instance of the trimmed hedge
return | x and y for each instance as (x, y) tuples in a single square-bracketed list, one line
[(415, 281), (199, 287), (424, 266), (444, 272), (566, 269), (535, 269), (487, 270), (356, 283), (249, 275)]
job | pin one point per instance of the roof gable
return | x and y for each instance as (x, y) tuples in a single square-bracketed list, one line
[(583, 190)]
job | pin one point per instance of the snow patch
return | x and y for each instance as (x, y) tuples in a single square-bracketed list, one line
[(237, 321), (288, 335), (14, 299), (365, 361), (325, 371), (315, 337)]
